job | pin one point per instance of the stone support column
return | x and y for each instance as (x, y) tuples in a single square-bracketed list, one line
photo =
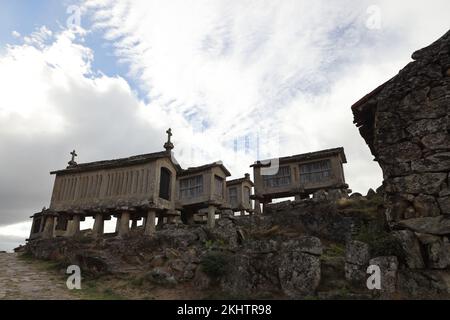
[(73, 227), (117, 224), (211, 217), (150, 223), (48, 227), (98, 225), (124, 225), (257, 207)]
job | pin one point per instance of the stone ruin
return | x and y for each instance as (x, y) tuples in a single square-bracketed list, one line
[(406, 123)]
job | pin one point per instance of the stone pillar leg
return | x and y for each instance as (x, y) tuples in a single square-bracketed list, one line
[(134, 224), (242, 213), (69, 227), (124, 226), (48, 228), (33, 225), (150, 223), (117, 224), (257, 207), (160, 220), (211, 217), (98, 225), (73, 227), (265, 203)]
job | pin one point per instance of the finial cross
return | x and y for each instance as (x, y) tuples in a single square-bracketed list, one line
[(169, 134), (168, 145), (74, 154)]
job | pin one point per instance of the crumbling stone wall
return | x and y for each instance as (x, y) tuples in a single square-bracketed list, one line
[(406, 123)]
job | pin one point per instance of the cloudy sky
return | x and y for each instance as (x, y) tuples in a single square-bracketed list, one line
[(236, 80)]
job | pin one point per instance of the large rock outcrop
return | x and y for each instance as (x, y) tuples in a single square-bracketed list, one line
[(406, 123)]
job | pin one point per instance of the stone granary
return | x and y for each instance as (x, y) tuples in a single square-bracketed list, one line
[(200, 188), (133, 188), (299, 176), (239, 192), (406, 123)]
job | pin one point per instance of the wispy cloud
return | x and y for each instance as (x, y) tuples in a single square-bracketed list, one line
[(285, 72)]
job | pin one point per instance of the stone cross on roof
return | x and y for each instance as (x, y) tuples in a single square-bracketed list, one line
[(72, 162), (169, 145)]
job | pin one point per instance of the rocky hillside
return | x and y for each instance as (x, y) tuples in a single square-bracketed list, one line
[(316, 249)]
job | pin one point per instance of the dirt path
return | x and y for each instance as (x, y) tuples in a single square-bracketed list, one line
[(23, 280)]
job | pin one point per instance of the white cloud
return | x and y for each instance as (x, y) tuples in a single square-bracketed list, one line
[(53, 102), (16, 230), (291, 69)]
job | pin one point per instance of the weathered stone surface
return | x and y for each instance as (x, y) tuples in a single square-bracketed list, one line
[(411, 247), (444, 204), (299, 274), (356, 196), (357, 252), (426, 206), (293, 266), (445, 192), (438, 162), (357, 256), (425, 127), (355, 273), (388, 267), (371, 194), (397, 209), (426, 283), (432, 225), (336, 194), (402, 152), (426, 183), (316, 218), (426, 239), (161, 277), (439, 254), (201, 280), (393, 128), (311, 245), (437, 141), (406, 124), (226, 231)]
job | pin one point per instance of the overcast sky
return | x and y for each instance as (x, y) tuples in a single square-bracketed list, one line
[(109, 77)]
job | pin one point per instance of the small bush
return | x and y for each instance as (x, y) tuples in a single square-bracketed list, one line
[(137, 282), (266, 233), (216, 264), (381, 242), (209, 244), (335, 250)]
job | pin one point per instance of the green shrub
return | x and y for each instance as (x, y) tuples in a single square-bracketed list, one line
[(216, 264), (210, 244), (381, 242)]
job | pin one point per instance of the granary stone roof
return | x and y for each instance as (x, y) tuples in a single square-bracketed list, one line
[(240, 180), (117, 163), (191, 170), (306, 157)]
